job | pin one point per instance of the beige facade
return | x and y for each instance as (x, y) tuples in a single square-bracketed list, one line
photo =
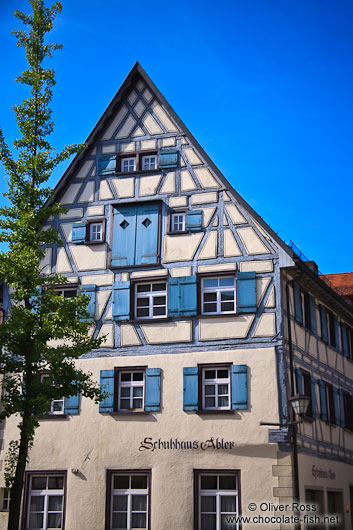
[(210, 352)]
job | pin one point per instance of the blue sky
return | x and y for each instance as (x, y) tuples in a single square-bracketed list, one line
[(264, 85)]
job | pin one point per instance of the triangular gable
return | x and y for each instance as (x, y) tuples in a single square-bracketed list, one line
[(139, 112)]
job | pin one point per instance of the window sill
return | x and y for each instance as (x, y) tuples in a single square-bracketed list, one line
[(94, 242), (53, 416), (212, 412), (218, 315), (130, 413), (308, 419), (137, 172), (134, 267), (150, 320)]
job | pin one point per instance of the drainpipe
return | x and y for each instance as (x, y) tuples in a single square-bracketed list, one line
[(294, 425)]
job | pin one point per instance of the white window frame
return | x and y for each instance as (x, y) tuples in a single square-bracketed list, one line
[(218, 494), (182, 222), (144, 159), (54, 401), (128, 159), (151, 295), (216, 382), (46, 494), (62, 290), (131, 384), (5, 500), (93, 224), (218, 290), (129, 493)]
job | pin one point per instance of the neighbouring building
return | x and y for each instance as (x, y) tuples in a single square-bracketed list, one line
[(211, 324)]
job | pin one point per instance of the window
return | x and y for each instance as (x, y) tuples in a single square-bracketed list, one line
[(151, 300), (136, 235), (45, 501), (218, 295), (216, 388), (348, 410), (308, 391), (212, 388), (304, 308), (313, 496), (107, 165), (178, 222), (217, 500), (129, 500), (131, 389), (329, 327), (331, 416), (66, 292), (128, 164), (57, 406), (149, 162), (5, 502), (95, 231)]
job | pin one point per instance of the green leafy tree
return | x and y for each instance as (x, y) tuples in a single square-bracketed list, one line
[(44, 333)]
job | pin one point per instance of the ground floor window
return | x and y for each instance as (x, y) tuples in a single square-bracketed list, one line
[(335, 506), (216, 499), (128, 500), (314, 496), (44, 501)]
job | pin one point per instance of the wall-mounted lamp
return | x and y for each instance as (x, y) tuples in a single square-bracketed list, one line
[(300, 404)]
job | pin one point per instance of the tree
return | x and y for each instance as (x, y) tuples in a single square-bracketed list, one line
[(44, 332)]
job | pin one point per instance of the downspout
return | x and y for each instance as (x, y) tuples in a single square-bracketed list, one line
[(294, 425)]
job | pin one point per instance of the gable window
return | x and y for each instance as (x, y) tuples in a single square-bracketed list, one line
[(149, 162), (151, 300), (128, 164), (45, 501), (136, 235), (217, 499), (131, 390), (177, 222), (216, 388), (95, 231), (218, 295), (129, 500)]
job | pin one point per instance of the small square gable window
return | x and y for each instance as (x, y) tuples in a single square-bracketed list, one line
[(168, 158)]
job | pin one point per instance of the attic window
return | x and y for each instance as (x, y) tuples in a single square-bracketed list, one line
[(107, 165), (128, 164)]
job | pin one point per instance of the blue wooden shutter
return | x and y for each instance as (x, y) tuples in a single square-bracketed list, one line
[(246, 292), (72, 404), (107, 386), (79, 232), (344, 340), (107, 165), (168, 158), (323, 405), (239, 387), (90, 291), (337, 335), (194, 220), (121, 301), (297, 304), (147, 222), (313, 397), (190, 388), (153, 389), (299, 380), (124, 236), (323, 322), (182, 296), (312, 314), (336, 405), (342, 414)]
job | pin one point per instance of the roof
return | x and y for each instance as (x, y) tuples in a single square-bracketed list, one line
[(341, 282), (136, 71)]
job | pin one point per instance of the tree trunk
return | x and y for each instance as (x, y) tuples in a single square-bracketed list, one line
[(17, 487)]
